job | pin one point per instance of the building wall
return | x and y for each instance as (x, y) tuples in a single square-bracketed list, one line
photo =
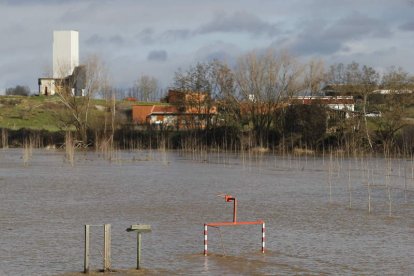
[(140, 113), (348, 107), (47, 87), (65, 53)]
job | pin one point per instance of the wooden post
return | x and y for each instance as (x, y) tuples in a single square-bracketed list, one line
[(139, 228), (86, 257), (138, 250), (107, 247), (405, 184)]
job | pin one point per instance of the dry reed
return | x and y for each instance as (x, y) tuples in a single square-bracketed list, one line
[(69, 148), (27, 150), (4, 138)]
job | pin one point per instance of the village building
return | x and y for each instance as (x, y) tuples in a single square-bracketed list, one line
[(73, 83), (184, 110), (344, 103), (67, 73)]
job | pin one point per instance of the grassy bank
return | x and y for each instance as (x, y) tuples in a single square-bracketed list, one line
[(17, 112), (42, 113)]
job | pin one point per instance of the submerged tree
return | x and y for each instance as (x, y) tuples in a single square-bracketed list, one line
[(307, 122), (393, 110), (91, 79), (359, 82), (264, 82)]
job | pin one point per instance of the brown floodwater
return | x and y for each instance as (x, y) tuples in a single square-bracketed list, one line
[(310, 229)]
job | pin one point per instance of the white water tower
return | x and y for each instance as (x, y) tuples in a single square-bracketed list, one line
[(65, 53)]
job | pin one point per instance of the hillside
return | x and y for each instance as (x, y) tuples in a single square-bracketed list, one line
[(37, 112), (18, 112)]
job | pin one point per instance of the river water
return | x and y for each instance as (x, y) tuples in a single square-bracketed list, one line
[(310, 229)]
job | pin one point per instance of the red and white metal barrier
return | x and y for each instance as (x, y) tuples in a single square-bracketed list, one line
[(229, 198)]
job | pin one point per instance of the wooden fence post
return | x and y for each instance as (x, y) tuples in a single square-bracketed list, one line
[(86, 257), (138, 250), (107, 247)]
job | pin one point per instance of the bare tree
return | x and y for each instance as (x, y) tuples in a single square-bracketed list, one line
[(314, 76), (90, 80), (365, 81), (397, 97), (264, 81), (146, 88), (198, 86), (19, 90), (360, 82), (228, 100), (336, 74)]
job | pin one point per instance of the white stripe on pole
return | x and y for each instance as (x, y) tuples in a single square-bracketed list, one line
[(263, 237), (205, 239)]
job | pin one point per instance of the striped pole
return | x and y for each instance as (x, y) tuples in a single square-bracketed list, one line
[(205, 239), (263, 237)]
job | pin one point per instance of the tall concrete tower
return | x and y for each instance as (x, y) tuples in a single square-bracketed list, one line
[(65, 53)]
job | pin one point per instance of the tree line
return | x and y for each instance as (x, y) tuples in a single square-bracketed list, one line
[(254, 108), (253, 97)]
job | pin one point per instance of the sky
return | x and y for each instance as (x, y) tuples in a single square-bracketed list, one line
[(158, 37)]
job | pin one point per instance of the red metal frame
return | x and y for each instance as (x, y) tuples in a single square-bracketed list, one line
[(229, 198)]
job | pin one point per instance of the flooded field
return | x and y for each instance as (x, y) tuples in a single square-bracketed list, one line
[(310, 229)]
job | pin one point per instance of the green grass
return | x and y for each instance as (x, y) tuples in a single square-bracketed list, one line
[(35, 112), (28, 114)]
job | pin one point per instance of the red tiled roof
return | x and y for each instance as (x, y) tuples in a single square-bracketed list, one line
[(164, 109)]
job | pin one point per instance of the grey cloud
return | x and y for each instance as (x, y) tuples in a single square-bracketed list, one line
[(177, 34), (318, 37), (357, 25), (146, 36), (219, 50), (239, 22), (116, 39), (160, 55), (316, 46), (95, 40), (31, 2), (16, 28), (373, 58), (149, 36), (409, 26)]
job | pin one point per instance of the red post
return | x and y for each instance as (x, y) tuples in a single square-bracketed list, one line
[(235, 210), (229, 198)]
